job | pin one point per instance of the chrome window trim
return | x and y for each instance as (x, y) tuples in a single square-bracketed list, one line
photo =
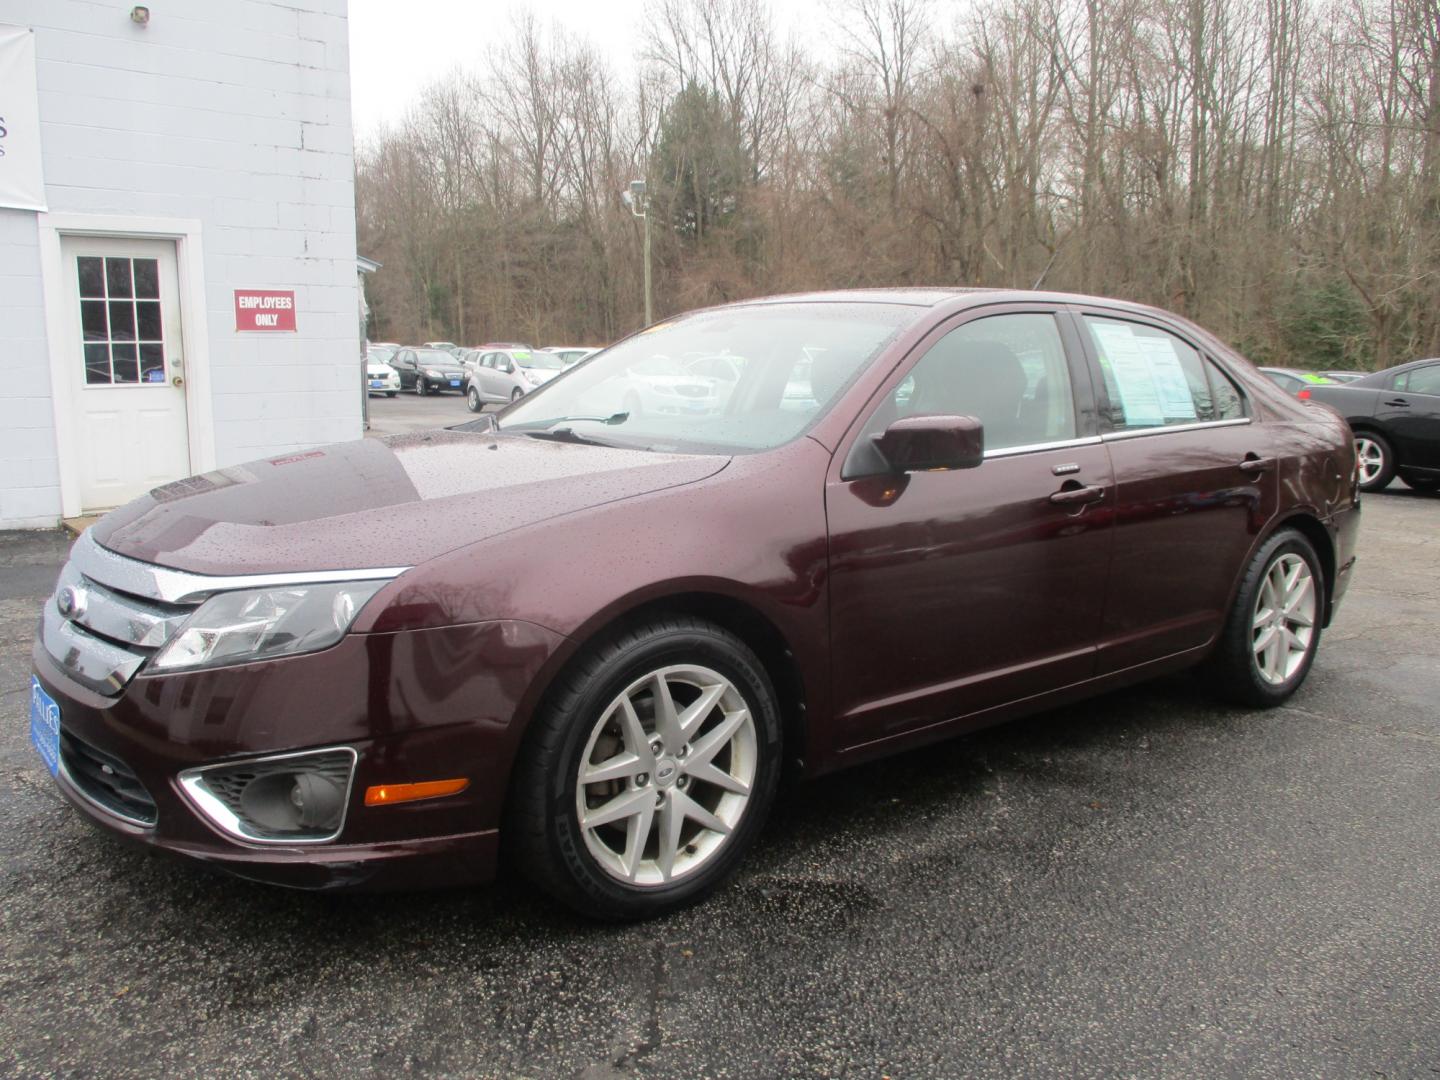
[(1030, 448), (171, 586), (1163, 429), (218, 814)]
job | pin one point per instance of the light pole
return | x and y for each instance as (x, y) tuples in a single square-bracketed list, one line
[(640, 206)]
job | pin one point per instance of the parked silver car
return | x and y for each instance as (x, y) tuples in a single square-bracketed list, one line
[(500, 376), (380, 377)]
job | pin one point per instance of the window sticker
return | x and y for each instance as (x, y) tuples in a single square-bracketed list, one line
[(1148, 375), (1139, 397), (1170, 383)]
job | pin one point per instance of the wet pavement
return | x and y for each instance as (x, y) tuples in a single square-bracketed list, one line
[(1147, 884)]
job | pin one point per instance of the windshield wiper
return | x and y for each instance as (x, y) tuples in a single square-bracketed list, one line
[(554, 421)]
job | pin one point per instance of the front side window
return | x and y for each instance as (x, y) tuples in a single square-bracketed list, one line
[(717, 381), (1154, 379), (1007, 371)]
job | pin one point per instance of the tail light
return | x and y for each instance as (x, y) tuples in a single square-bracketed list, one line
[(1303, 395)]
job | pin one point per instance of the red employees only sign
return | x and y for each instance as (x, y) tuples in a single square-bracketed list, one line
[(264, 309)]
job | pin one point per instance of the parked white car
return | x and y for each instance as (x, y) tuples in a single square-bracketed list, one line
[(380, 377), (570, 355)]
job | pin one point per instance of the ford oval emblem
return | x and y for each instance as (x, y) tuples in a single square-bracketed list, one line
[(71, 602)]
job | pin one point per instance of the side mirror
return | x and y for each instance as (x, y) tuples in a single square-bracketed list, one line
[(923, 443)]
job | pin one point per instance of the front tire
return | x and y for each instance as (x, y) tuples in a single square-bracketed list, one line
[(1425, 484), (1375, 460), (390, 393), (516, 395), (1270, 637), (649, 771), (421, 388)]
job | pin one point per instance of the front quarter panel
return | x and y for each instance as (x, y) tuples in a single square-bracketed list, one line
[(753, 533)]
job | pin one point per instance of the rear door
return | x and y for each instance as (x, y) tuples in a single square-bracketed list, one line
[(404, 363), (954, 592), (1196, 480), (1411, 414)]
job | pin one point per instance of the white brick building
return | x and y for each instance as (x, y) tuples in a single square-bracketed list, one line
[(204, 152)]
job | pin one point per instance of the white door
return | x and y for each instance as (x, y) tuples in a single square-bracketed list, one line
[(126, 371)]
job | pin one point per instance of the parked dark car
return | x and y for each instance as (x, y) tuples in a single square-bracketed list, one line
[(376, 663), (429, 371), (1395, 415)]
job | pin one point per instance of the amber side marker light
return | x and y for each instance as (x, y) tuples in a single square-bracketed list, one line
[(388, 794)]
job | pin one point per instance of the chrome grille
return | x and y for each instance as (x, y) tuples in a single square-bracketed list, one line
[(692, 390), (99, 634), (120, 611)]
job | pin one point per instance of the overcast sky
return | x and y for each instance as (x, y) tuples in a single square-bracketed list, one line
[(398, 47)]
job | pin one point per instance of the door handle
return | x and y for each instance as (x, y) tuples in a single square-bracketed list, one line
[(1398, 403), (1255, 465), (1072, 496)]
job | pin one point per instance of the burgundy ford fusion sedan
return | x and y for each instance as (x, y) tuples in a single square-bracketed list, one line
[(587, 636)]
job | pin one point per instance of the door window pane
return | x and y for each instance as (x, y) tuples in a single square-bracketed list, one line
[(1152, 378), (1008, 371), (97, 363), (117, 278), (125, 363), (152, 363), (147, 320), (122, 320), (92, 320), (147, 278), (92, 276)]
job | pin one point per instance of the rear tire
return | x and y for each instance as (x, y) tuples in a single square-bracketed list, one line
[(679, 801), (390, 393), (516, 395), (1273, 630), (472, 400), (1376, 460)]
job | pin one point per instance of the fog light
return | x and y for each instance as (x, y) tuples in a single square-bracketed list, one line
[(285, 798)]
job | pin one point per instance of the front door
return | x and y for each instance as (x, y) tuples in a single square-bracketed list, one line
[(1410, 411), (126, 369), (953, 593)]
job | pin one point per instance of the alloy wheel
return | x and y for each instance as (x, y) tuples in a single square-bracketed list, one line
[(666, 775), (1370, 457), (1284, 619)]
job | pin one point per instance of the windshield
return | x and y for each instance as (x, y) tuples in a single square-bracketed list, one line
[(548, 361), (380, 355), (722, 380)]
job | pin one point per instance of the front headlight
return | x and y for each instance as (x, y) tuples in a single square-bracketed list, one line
[(433, 374), (259, 624), (532, 377)]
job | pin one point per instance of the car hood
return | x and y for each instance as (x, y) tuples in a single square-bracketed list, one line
[(442, 365), (380, 502)]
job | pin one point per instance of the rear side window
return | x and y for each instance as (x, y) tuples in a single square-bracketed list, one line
[(1425, 380), (1154, 379)]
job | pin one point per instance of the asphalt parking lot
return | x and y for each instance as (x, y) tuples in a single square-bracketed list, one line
[(410, 412), (1149, 884)]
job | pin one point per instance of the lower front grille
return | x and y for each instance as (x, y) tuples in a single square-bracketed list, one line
[(106, 780)]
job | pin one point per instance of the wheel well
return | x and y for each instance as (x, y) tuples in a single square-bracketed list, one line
[(750, 626), (1319, 537)]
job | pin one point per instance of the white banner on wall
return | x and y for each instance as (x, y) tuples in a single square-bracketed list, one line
[(22, 186)]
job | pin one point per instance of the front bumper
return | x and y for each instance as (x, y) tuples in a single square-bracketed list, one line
[(414, 705)]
